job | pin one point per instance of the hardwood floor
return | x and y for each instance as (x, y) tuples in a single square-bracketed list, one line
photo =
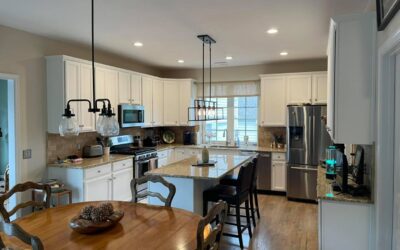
[(284, 225)]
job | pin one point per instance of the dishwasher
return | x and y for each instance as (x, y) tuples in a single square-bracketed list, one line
[(264, 172)]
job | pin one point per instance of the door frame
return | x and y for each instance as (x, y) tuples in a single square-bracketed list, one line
[(385, 142), (16, 126)]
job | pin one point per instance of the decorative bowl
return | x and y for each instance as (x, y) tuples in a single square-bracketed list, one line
[(168, 137), (89, 227)]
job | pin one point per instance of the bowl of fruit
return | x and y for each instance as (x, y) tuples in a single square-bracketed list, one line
[(94, 219)]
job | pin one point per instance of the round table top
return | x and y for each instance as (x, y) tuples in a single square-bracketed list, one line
[(142, 227)]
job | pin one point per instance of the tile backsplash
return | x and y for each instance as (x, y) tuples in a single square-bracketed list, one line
[(61, 147), (266, 135)]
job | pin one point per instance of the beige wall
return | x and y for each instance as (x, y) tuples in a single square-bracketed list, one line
[(252, 72), (22, 54)]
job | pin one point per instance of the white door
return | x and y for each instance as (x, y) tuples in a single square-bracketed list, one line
[(124, 87), (273, 101), (147, 99), (86, 118), (122, 185), (319, 88), (158, 102), (299, 89), (171, 103), (71, 80), (136, 89), (98, 189), (279, 176), (186, 101)]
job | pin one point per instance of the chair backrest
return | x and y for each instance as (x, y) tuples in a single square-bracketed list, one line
[(45, 203), (12, 229), (143, 194), (255, 174), (218, 214), (245, 178)]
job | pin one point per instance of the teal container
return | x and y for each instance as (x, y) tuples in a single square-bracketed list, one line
[(331, 162)]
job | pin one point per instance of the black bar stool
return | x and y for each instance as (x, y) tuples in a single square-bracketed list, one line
[(234, 195), (231, 180)]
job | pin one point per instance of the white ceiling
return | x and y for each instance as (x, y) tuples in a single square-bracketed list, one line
[(168, 28)]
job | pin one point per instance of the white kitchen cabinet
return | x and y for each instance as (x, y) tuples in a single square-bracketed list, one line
[(273, 101), (121, 187), (147, 100), (98, 189), (136, 89), (171, 103), (319, 88), (299, 88), (158, 102), (278, 176), (187, 93), (180, 154), (107, 86), (351, 78)]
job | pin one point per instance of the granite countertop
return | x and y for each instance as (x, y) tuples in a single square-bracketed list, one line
[(325, 191), (185, 168), (92, 162), (241, 148)]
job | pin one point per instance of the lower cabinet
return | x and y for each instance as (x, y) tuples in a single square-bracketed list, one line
[(278, 172), (104, 182)]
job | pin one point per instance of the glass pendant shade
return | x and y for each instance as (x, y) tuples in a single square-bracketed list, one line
[(99, 124), (68, 126), (109, 126)]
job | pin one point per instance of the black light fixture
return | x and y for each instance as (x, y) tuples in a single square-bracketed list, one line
[(205, 110), (106, 124)]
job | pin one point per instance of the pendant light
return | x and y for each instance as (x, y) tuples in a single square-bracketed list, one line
[(107, 124), (205, 110)]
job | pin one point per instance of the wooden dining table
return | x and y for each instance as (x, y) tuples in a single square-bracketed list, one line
[(142, 227)]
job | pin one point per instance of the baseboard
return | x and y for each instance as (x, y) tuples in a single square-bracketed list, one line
[(281, 193)]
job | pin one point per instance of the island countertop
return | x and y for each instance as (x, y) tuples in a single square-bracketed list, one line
[(185, 168)]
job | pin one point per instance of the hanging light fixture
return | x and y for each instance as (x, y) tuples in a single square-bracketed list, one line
[(106, 124), (205, 110)]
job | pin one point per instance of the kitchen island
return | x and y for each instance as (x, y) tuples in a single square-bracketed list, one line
[(190, 181)]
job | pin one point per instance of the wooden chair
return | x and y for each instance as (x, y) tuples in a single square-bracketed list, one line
[(155, 179), (218, 214), (45, 203), (11, 229)]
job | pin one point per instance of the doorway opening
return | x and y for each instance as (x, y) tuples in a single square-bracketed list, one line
[(8, 136)]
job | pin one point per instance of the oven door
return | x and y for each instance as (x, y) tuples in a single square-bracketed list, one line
[(141, 167), (130, 115)]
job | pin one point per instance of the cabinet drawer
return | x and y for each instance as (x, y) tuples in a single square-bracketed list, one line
[(97, 171), (119, 165), (163, 153), (278, 156)]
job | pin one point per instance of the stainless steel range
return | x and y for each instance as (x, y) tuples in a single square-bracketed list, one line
[(145, 159)]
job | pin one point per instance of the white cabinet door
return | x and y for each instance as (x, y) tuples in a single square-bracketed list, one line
[(162, 162), (98, 189), (279, 176), (122, 185), (136, 89), (186, 101), (179, 154), (299, 89), (319, 88), (86, 119), (72, 77), (273, 101), (158, 102), (111, 83), (147, 98), (124, 87), (171, 103)]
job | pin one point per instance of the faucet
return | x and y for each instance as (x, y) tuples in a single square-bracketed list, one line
[(227, 142)]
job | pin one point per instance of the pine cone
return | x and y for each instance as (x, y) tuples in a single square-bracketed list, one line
[(107, 208), (86, 212), (98, 215)]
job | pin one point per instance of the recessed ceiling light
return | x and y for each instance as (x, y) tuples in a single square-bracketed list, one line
[(272, 31), (181, 61), (138, 44), (284, 53), (228, 58)]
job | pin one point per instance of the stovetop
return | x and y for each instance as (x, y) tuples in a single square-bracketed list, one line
[(132, 150)]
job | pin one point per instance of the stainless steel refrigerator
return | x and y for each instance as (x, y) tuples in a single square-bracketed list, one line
[(307, 141)]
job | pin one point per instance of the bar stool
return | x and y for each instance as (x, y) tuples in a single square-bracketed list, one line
[(231, 180), (234, 196)]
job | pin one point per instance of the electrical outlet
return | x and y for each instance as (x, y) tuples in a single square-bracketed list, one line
[(27, 154)]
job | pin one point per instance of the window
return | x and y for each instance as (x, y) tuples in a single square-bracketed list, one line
[(239, 121)]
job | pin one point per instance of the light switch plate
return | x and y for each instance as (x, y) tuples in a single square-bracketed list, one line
[(27, 154)]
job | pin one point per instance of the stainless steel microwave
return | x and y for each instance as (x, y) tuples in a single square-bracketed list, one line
[(130, 115)]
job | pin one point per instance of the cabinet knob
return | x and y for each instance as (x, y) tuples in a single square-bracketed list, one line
[(316, 99), (98, 171)]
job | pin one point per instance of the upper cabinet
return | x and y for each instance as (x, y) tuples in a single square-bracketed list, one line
[(280, 90), (153, 101), (351, 78), (129, 88)]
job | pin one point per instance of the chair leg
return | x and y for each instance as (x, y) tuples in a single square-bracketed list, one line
[(256, 200), (246, 203), (253, 217), (239, 227)]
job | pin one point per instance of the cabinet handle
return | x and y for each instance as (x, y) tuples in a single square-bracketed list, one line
[(99, 171), (316, 99), (81, 125), (310, 100)]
